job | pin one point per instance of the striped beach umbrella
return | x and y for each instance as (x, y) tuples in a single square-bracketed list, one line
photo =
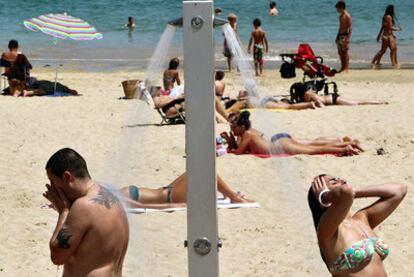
[(63, 26)]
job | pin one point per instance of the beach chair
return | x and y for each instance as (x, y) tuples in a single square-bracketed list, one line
[(178, 118)]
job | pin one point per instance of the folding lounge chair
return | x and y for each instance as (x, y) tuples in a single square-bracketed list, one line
[(178, 118)]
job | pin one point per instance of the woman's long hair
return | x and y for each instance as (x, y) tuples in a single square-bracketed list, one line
[(390, 11), (317, 212)]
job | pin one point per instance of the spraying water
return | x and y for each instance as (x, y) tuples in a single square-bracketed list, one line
[(251, 84), (159, 58)]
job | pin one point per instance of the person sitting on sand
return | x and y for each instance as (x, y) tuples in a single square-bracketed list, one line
[(219, 85), (245, 140), (17, 67), (92, 232), (243, 101), (171, 75), (308, 93), (172, 196), (347, 242)]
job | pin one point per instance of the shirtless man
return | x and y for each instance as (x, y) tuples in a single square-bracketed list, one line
[(91, 234), (258, 36), (344, 35)]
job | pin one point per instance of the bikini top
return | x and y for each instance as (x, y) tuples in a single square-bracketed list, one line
[(359, 255)]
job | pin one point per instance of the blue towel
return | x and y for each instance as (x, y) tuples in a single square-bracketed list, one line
[(59, 94)]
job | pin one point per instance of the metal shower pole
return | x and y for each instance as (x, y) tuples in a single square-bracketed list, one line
[(202, 237)]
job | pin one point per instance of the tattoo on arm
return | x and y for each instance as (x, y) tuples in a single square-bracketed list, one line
[(105, 198), (63, 238)]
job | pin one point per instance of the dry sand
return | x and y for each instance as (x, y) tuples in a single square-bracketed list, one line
[(124, 147)]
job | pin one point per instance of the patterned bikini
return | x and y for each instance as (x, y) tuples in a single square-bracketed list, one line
[(359, 255)]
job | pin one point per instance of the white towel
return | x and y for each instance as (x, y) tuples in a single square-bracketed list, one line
[(222, 203)]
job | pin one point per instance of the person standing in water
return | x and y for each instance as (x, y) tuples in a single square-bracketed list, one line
[(259, 41), (388, 38), (131, 23), (273, 9), (232, 18), (92, 232), (344, 34)]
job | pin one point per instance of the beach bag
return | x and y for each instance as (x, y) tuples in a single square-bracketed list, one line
[(287, 70)]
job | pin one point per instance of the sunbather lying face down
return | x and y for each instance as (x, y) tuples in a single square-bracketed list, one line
[(268, 102), (245, 140), (348, 243), (310, 95), (172, 195)]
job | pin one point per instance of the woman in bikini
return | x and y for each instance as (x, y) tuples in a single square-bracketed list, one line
[(347, 242), (243, 101), (245, 140), (173, 195), (388, 38), (170, 76), (303, 93)]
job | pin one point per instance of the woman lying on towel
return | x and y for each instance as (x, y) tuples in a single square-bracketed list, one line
[(172, 196), (268, 102), (347, 242), (245, 140), (306, 93)]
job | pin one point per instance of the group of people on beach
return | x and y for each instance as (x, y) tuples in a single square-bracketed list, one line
[(258, 43), (92, 234), (17, 69)]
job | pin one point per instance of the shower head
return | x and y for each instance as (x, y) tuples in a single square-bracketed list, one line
[(178, 22)]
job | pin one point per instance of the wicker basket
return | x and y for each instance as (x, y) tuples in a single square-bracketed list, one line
[(130, 88)]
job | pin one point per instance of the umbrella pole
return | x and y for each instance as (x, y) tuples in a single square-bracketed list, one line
[(57, 64)]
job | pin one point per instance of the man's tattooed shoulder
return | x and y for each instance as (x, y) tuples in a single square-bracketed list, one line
[(105, 197), (63, 238)]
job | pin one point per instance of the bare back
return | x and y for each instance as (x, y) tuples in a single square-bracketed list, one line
[(258, 36), (102, 249)]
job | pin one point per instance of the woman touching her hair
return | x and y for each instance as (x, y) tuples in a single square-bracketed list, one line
[(348, 243)]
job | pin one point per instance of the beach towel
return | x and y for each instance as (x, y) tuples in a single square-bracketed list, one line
[(222, 203), (59, 94), (269, 110), (284, 155)]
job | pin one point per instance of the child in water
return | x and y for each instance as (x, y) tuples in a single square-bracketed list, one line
[(258, 36)]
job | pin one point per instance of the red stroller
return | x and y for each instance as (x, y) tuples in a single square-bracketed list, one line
[(312, 67)]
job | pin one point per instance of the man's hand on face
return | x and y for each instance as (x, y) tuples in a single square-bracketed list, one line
[(57, 197)]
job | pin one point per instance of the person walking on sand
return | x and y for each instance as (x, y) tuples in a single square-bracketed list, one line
[(259, 41), (388, 38), (344, 35), (91, 234)]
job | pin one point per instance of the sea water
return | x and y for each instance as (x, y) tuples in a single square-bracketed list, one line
[(312, 21)]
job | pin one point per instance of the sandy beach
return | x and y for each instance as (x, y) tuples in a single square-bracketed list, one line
[(123, 145)]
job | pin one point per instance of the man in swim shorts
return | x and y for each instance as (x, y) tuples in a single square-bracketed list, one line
[(259, 41), (91, 234), (344, 34)]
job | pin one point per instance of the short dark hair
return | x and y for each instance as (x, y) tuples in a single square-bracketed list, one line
[(257, 22), (13, 44), (174, 63), (67, 159), (272, 4), (340, 4), (219, 75)]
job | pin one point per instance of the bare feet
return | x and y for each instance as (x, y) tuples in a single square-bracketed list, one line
[(397, 66)]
